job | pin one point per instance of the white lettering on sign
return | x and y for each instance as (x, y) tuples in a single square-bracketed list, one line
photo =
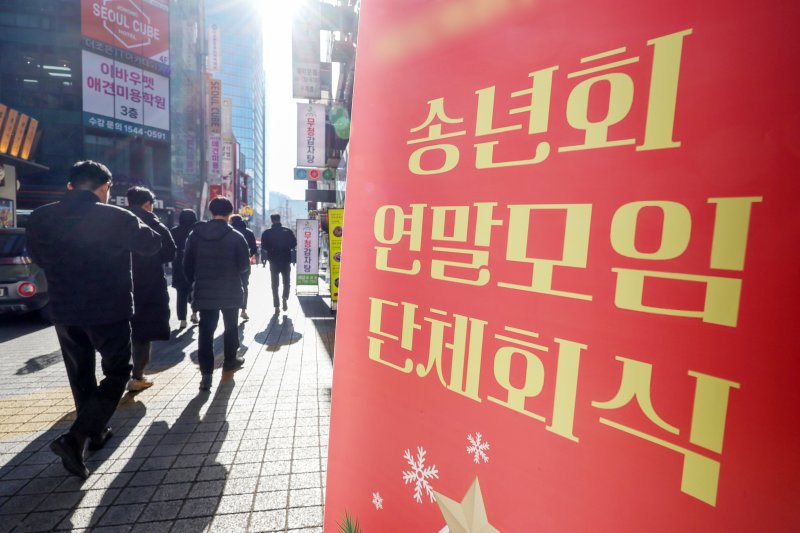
[(127, 19)]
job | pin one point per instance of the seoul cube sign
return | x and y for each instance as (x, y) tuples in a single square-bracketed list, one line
[(138, 26)]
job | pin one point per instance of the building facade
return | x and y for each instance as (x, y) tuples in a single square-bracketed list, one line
[(40, 75), (236, 59), (188, 97), (102, 91)]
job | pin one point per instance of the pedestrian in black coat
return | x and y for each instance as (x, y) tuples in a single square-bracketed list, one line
[(150, 297), (278, 244), (240, 225), (85, 248), (215, 259), (187, 220)]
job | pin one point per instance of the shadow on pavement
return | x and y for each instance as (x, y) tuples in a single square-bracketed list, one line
[(169, 353), (152, 470), (35, 478), (40, 362), (280, 332), (14, 326), (326, 328), (219, 348), (315, 308)]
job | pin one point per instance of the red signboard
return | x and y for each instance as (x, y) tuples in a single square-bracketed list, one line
[(138, 26), (570, 302), (214, 191)]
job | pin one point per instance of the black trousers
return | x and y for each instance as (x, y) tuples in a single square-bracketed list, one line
[(96, 403), (183, 301), (284, 270), (209, 318)]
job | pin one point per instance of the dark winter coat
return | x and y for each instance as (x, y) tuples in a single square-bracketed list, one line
[(278, 243), (249, 236), (215, 258), (187, 221), (85, 248), (150, 297)]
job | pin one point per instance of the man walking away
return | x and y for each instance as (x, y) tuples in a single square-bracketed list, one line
[(278, 243), (240, 225), (150, 297), (215, 259), (186, 223), (85, 249)]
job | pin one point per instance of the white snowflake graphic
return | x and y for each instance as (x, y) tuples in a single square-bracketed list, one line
[(420, 474), (377, 501), (478, 448)]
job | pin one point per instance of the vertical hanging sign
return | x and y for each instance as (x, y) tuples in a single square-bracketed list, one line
[(214, 106), (335, 232), (306, 50), (214, 57), (307, 252), (310, 135)]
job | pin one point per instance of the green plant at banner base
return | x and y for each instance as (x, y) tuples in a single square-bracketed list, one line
[(349, 525)]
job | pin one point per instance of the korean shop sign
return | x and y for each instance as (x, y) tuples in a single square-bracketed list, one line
[(570, 298), (123, 98), (307, 252), (310, 135)]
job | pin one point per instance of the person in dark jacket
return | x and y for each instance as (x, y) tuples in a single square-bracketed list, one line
[(150, 297), (215, 259), (240, 225), (278, 243), (85, 248), (186, 223)]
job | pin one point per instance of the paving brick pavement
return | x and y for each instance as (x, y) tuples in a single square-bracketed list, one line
[(250, 455)]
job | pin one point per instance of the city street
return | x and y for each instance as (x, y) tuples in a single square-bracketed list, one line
[(250, 455)]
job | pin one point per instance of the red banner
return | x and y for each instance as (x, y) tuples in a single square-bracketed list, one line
[(570, 297)]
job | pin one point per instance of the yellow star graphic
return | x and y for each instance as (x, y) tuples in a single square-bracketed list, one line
[(468, 516)]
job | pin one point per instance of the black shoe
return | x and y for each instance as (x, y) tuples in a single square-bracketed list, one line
[(97, 442), (233, 364), (66, 446)]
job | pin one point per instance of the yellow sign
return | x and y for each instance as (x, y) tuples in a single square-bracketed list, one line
[(8, 131), (246, 211), (335, 230), (3, 111), (22, 123), (29, 138)]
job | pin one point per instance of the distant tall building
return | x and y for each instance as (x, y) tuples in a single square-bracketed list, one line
[(289, 210), (237, 61), (188, 101)]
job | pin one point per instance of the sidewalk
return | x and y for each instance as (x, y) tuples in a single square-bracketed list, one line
[(250, 455)]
